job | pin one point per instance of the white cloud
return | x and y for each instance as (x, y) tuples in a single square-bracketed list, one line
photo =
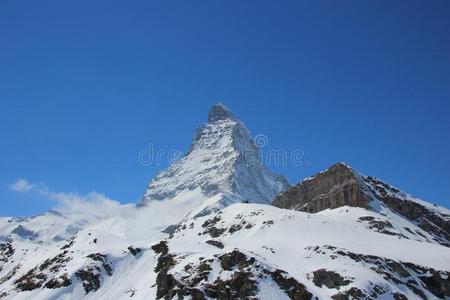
[(22, 185), (92, 204)]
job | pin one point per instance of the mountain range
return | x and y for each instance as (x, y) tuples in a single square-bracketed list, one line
[(218, 224)]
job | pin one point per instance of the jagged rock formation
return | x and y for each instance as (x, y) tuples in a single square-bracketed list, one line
[(335, 187), (222, 160), (341, 185)]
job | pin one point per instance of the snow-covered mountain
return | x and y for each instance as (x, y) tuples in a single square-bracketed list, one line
[(47, 228), (223, 162), (206, 230)]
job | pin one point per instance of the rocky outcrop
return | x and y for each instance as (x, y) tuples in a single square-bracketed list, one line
[(134, 251), (6, 251), (215, 243), (330, 279), (294, 289), (90, 279), (91, 275), (333, 188), (203, 280)]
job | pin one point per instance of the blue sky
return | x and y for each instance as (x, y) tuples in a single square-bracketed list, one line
[(85, 86)]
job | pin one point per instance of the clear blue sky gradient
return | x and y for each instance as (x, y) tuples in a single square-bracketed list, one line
[(86, 85)]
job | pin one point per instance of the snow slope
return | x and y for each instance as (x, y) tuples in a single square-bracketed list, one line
[(294, 242)]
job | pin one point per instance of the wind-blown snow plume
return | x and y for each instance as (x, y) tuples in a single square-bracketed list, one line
[(93, 203)]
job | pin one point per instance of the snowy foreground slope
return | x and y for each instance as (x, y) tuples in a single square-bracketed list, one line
[(244, 251), (336, 235)]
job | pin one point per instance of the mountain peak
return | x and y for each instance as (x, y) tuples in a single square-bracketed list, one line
[(222, 161), (219, 112)]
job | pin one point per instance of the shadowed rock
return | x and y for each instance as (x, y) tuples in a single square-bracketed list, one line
[(333, 188), (330, 279)]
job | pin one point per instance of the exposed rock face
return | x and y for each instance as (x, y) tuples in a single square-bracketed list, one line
[(336, 187)]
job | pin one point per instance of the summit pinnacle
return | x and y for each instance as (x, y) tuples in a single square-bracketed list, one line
[(219, 112)]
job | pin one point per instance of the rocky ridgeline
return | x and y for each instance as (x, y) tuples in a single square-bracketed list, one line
[(333, 188), (435, 223), (341, 186)]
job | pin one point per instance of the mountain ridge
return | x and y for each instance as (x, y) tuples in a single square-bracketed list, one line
[(341, 185), (336, 235)]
